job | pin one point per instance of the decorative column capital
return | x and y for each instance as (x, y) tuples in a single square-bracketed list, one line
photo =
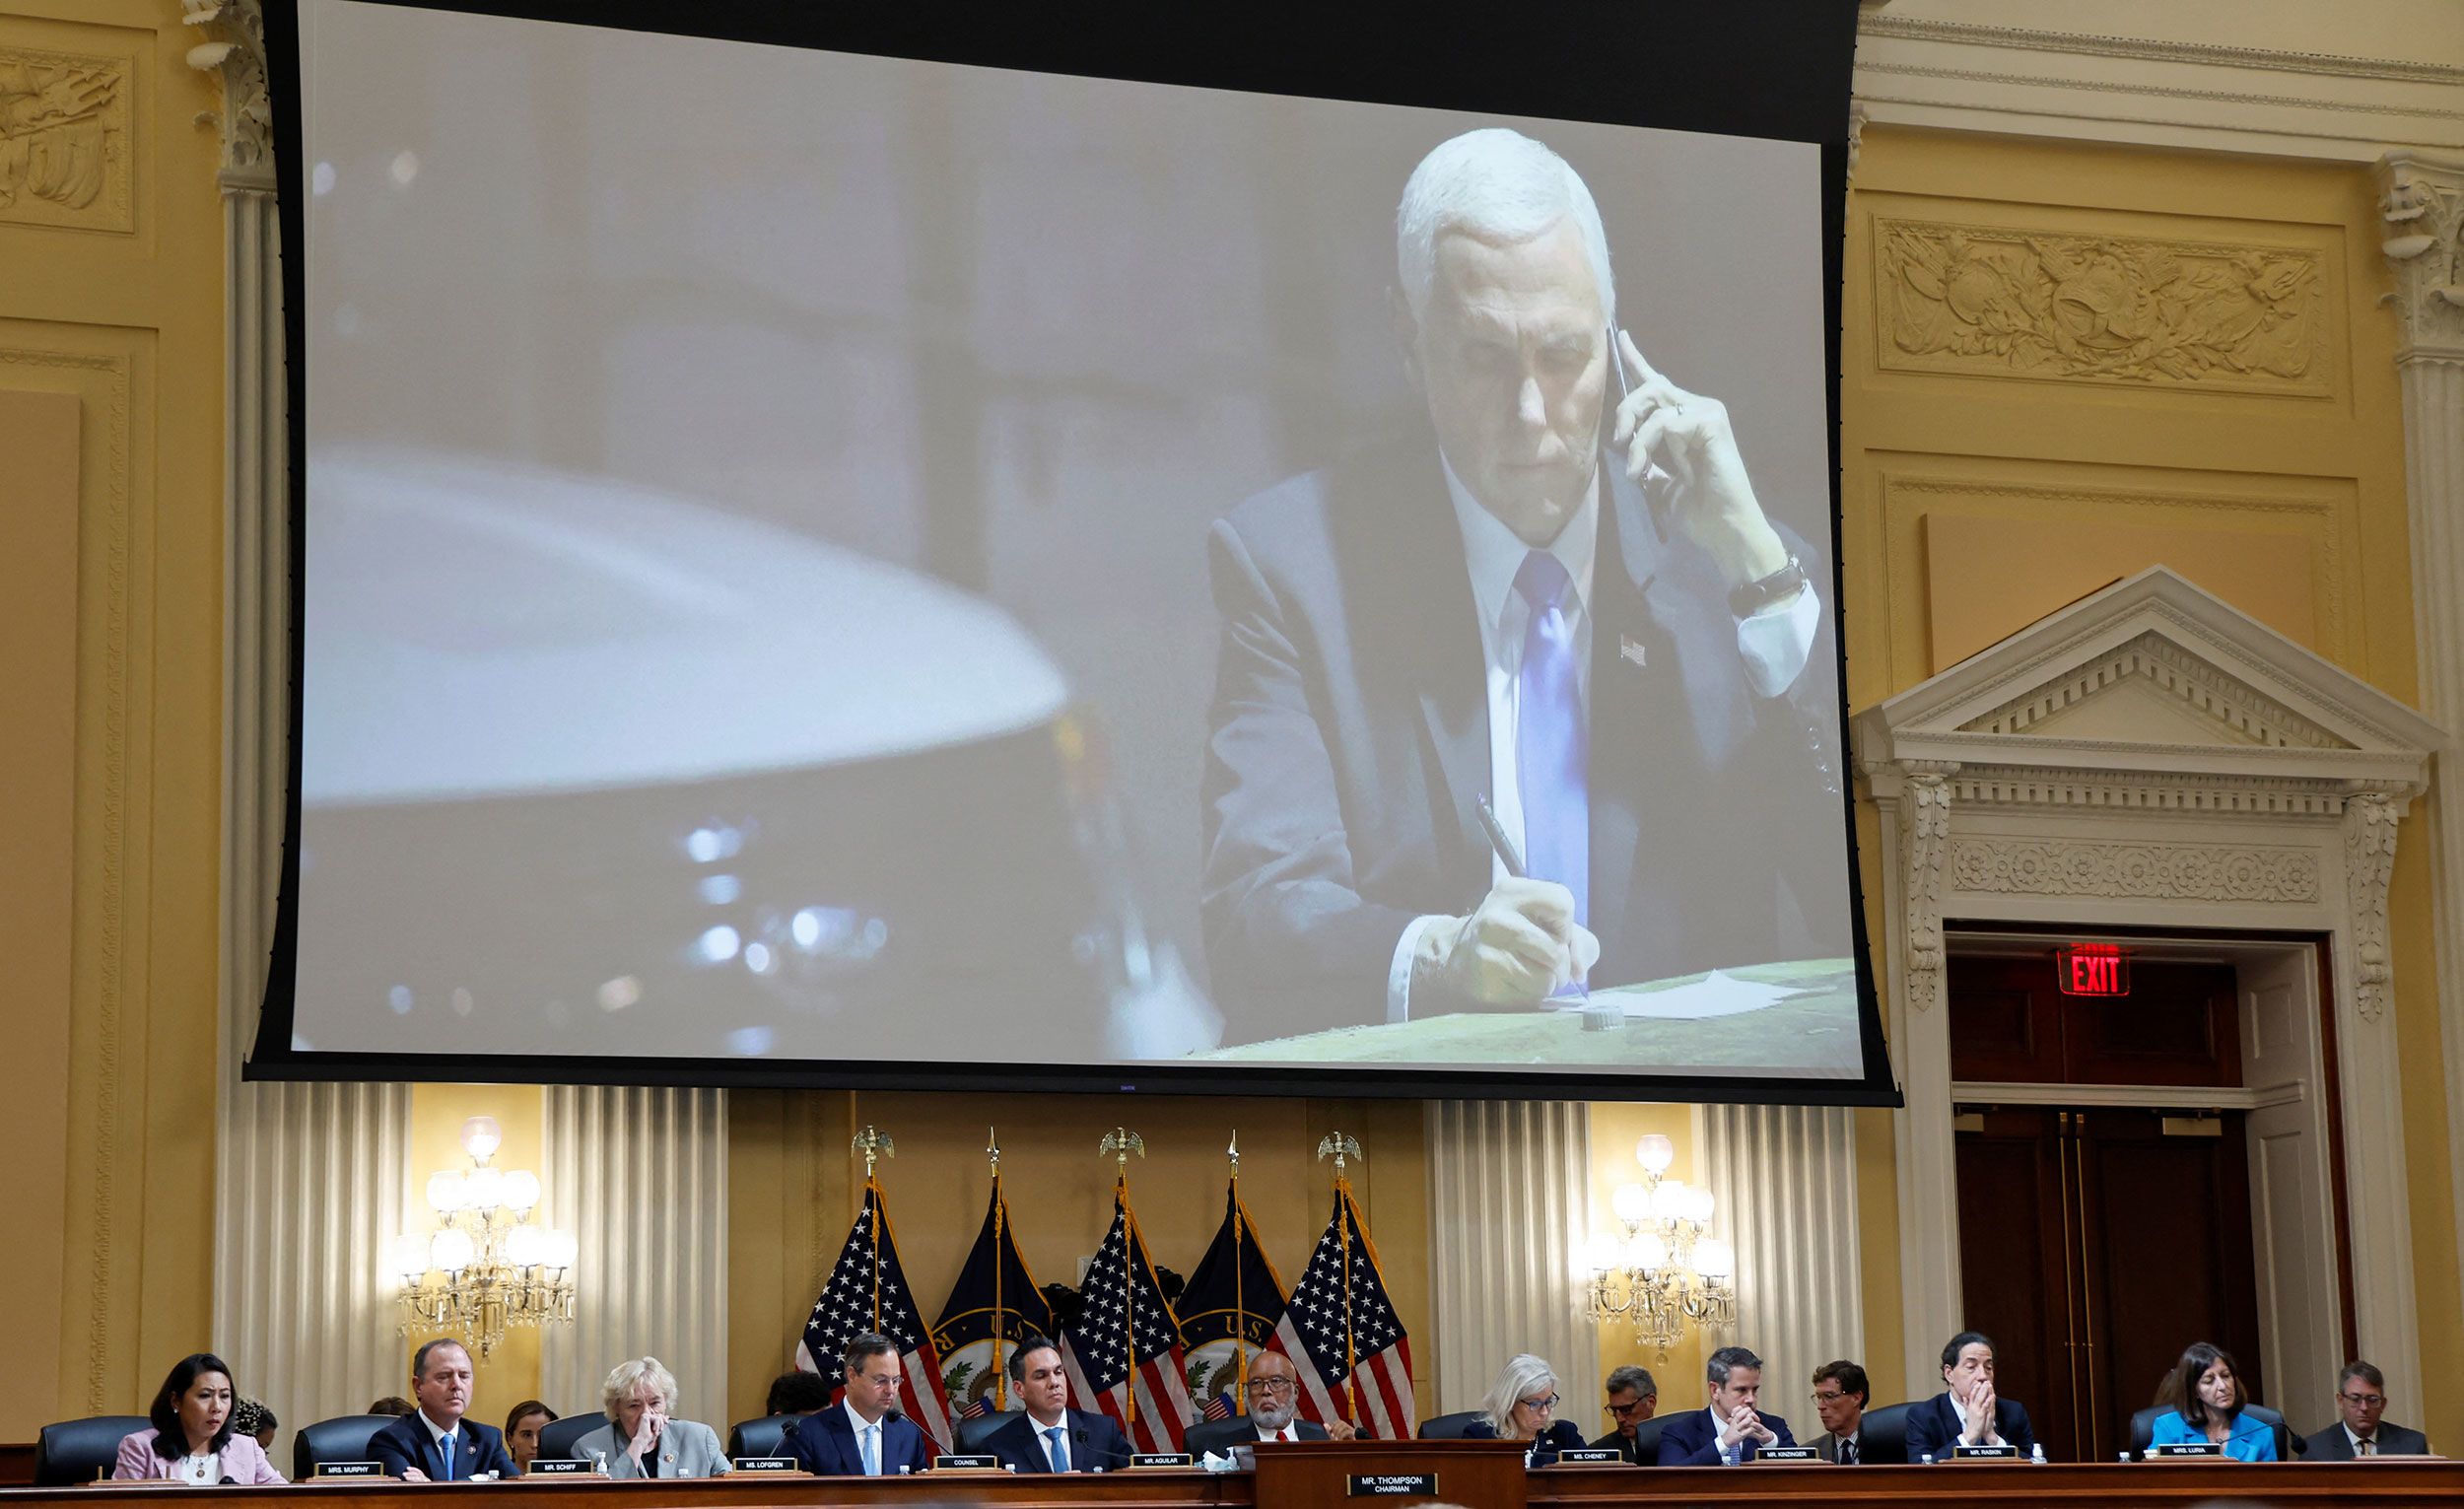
[(2421, 197), (1924, 831), (2369, 852), (234, 49)]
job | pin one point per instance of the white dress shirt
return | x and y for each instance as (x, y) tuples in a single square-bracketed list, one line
[(861, 1425), (1772, 645)]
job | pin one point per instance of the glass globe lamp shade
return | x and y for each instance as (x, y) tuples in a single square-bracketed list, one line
[(1655, 1153), (1631, 1201), (450, 1251)]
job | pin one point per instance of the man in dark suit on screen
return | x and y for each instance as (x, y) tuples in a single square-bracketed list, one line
[(1732, 1429), (865, 1435), (433, 1443), (1569, 606), (1049, 1436)]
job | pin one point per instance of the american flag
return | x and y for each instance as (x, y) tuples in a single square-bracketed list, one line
[(1125, 1314), (1313, 1331), (867, 1292), (1218, 1406)]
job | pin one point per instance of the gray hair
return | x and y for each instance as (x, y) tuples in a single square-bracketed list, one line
[(1522, 1375), (1727, 1360), (1498, 186), (640, 1373), (1631, 1377)]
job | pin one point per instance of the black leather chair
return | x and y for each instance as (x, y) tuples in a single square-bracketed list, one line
[(1882, 1435), (557, 1437), (763, 1437), (81, 1451), (2143, 1428), (1647, 1438), (1447, 1427), (974, 1430), (343, 1438), (1217, 1436)]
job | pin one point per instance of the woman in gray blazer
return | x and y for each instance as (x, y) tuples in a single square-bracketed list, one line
[(639, 1438)]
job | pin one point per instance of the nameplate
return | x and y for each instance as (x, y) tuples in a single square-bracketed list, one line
[(561, 1466), (1162, 1458), (349, 1470), (1966, 1452), (1390, 1485), (1787, 1456), (2186, 1449), (1582, 1456), (967, 1462), (767, 1465)]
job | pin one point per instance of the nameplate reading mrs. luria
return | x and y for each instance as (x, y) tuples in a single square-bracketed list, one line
[(1390, 1485), (2186, 1449)]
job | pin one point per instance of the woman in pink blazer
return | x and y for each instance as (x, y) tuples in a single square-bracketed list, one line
[(191, 1439)]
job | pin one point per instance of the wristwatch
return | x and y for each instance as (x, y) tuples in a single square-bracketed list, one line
[(1762, 592)]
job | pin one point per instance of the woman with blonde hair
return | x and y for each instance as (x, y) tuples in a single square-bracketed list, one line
[(641, 1437), (1521, 1406)]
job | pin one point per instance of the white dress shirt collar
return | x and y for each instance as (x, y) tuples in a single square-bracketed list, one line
[(1495, 553), (858, 1422), (436, 1432)]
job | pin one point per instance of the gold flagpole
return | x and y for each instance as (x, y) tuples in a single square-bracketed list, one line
[(1240, 1302), (1000, 1375), (1119, 1143), (873, 1144), (1342, 1147)]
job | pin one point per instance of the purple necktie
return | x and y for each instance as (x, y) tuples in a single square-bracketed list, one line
[(1551, 747)]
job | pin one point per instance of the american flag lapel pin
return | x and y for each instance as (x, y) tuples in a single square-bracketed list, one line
[(1630, 649)]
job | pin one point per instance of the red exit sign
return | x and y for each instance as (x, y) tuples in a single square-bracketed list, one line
[(2091, 969)]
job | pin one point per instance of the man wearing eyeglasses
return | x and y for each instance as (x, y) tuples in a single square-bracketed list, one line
[(2360, 1399), (1274, 1393), (1632, 1399), (1840, 1392)]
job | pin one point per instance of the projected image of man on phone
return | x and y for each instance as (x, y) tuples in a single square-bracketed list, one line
[(1560, 595)]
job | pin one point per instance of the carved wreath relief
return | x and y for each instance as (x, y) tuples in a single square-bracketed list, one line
[(2195, 872), (2009, 303), (63, 140)]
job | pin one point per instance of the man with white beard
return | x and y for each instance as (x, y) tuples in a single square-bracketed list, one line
[(1274, 1391)]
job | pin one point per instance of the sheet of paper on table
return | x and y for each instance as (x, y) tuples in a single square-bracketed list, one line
[(1714, 995)]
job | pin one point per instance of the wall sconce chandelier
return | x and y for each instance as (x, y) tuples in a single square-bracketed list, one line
[(1666, 1274), (487, 1265)]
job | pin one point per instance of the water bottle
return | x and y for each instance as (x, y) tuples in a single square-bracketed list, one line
[(1926, 1460), (2036, 1454)]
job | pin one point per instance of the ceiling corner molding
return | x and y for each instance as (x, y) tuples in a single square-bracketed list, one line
[(2215, 95)]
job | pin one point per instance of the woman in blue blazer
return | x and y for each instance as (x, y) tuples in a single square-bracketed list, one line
[(2205, 1392)]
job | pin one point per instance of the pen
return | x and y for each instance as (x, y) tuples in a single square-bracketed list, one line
[(1497, 837)]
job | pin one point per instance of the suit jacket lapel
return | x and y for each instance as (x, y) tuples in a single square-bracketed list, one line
[(1439, 642), (1623, 567)]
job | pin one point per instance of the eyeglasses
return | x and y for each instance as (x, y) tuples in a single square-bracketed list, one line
[(1622, 1410), (2364, 1400), (1834, 1398), (1548, 1402), (1273, 1385)]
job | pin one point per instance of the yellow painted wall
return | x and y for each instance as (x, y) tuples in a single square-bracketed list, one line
[(2253, 444), (509, 1374), (111, 353), (1616, 1125)]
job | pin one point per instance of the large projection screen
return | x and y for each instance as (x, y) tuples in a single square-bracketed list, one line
[(1207, 555)]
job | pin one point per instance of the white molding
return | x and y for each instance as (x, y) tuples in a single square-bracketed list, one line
[(2144, 1097), (1990, 72), (2031, 826)]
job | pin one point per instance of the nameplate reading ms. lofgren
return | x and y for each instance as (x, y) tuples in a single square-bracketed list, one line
[(1390, 1485)]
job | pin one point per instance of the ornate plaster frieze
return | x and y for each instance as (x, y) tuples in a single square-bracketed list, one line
[(1880, 23), (1992, 301), (2150, 794), (2370, 851), (1924, 830), (2084, 868), (64, 144), (2422, 198), (2154, 660), (234, 49)]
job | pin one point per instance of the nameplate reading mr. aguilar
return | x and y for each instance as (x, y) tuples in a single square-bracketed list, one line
[(1162, 1458), (1390, 1485)]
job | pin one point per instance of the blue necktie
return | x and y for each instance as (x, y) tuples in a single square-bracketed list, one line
[(1551, 746), (872, 1450), (444, 1451), (1059, 1451)]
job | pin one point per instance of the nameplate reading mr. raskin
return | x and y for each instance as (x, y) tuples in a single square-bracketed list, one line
[(1966, 1452), (1390, 1485)]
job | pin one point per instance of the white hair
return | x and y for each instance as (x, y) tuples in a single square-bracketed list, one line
[(1499, 185), (1524, 1374), (640, 1372)]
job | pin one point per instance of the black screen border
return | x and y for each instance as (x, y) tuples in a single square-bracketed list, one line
[(1769, 69)]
